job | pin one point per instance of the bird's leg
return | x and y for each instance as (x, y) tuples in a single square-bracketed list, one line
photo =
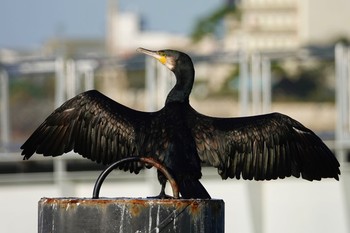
[(162, 195)]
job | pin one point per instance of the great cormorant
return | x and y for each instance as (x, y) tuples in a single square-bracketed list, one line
[(261, 147)]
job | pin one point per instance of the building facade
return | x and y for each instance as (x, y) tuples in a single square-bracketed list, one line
[(287, 24)]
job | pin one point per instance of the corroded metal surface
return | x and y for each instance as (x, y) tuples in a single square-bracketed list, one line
[(130, 215)]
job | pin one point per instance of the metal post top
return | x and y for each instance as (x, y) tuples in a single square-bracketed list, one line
[(67, 201)]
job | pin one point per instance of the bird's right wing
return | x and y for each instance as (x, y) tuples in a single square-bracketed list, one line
[(92, 125)]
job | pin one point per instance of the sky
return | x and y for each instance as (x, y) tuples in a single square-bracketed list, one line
[(28, 24)]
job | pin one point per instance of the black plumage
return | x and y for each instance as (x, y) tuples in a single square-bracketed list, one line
[(262, 147)]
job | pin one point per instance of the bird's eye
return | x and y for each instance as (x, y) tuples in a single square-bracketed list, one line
[(161, 53)]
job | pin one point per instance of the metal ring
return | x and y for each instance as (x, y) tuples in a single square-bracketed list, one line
[(145, 160)]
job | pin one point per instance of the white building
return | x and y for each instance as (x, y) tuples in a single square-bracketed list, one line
[(323, 21), (126, 34), (288, 24)]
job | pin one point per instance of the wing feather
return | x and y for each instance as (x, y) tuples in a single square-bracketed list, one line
[(96, 127), (262, 147)]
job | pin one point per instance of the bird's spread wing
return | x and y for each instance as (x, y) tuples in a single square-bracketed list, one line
[(92, 125), (262, 147)]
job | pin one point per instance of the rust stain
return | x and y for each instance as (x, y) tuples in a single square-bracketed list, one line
[(135, 210), (143, 202), (137, 206), (195, 208)]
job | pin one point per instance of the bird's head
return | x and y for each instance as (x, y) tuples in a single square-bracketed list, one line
[(181, 65), (169, 58)]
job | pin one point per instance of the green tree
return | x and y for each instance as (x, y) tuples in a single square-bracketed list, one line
[(209, 24)]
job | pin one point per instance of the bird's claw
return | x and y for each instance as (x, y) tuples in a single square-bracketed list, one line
[(161, 196)]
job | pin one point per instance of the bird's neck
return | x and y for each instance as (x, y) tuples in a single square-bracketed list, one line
[(182, 89)]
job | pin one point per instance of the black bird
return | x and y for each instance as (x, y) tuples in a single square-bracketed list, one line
[(261, 147)]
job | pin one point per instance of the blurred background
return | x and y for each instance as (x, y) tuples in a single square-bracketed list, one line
[(250, 56)]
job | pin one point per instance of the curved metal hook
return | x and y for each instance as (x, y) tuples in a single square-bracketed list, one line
[(145, 160)]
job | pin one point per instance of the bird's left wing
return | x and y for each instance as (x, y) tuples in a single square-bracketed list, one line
[(92, 125), (262, 147)]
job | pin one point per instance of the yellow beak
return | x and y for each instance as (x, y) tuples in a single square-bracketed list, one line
[(154, 54)]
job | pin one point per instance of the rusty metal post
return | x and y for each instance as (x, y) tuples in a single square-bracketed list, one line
[(65, 215), (126, 215)]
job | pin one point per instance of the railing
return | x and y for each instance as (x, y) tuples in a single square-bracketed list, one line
[(342, 131)]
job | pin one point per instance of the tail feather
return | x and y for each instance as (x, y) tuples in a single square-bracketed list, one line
[(192, 188)]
